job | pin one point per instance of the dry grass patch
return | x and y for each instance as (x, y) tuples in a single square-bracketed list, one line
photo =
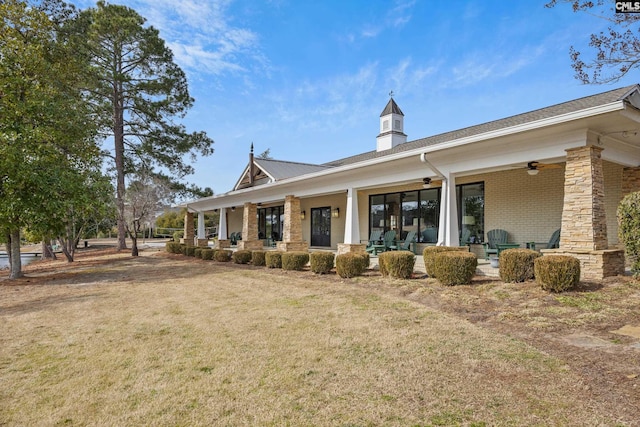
[(161, 341)]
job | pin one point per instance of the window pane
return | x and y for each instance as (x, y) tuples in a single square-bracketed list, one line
[(429, 215), (471, 216)]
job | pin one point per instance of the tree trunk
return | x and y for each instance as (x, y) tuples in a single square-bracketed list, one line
[(47, 253), (15, 262), (134, 245), (118, 143)]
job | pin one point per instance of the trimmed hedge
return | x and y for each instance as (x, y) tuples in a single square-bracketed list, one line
[(321, 262), (397, 264), (295, 260), (190, 250), (429, 255), (241, 256), (177, 235), (197, 252), (173, 247), (455, 267), (222, 255), (351, 264), (628, 214), (557, 273), (273, 259), (207, 254), (516, 265), (258, 258)]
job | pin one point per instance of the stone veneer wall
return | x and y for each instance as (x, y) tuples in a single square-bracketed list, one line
[(584, 220), (292, 223), (595, 265), (250, 240)]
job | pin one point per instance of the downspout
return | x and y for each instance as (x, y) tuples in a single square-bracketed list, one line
[(443, 225)]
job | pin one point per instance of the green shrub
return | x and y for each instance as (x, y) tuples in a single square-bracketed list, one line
[(207, 254), (397, 264), (173, 247), (197, 252), (321, 262), (222, 255), (629, 229), (258, 258), (557, 273), (351, 264), (294, 260), (273, 259), (242, 256), (183, 248), (177, 235), (516, 265), (429, 255), (190, 250), (455, 267)]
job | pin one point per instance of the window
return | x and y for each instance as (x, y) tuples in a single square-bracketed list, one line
[(419, 211), (385, 125), (471, 212), (396, 125), (270, 223)]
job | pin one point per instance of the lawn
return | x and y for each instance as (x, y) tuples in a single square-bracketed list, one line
[(164, 340)]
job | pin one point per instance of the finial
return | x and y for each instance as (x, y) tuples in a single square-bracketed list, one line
[(391, 94), (252, 147)]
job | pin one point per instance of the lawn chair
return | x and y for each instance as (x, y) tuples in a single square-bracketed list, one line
[(554, 241), (374, 238), (387, 242), (494, 237), (430, 235), (405, 245)]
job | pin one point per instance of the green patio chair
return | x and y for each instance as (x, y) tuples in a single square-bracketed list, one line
[(374, 238), (430, 235), (494, 237), (405, 245), (554, 241)]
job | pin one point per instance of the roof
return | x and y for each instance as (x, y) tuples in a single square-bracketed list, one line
[(531, 116), (391, 108), (280, 169)]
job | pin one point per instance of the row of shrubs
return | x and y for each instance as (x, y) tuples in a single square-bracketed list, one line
[(456, 266), (450, 265), (320, 262)]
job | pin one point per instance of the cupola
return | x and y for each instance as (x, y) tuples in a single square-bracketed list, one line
[(391, 127)]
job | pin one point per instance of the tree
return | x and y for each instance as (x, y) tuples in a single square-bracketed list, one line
[(138, 93), (616, 51), (266, 154), (145, 196), (45, 131)]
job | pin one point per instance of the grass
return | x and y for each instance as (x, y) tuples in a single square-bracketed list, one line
[(156, 341)]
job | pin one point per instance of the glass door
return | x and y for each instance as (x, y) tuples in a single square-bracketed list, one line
[(321, 226)]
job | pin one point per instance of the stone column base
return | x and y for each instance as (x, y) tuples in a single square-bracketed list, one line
[(222, 244), (345, 248), (250, 245), (292, 246), (594, 265), (188, 242), (203, 242)]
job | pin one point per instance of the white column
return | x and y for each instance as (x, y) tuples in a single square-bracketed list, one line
[(222, 224), (352, 220), (201, 232), (448, 232)]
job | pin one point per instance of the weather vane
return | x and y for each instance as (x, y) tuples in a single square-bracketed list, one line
[(391, 94)]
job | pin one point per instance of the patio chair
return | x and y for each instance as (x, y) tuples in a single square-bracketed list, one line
[(554, 241), (387, 242), (374, 238), (494, 237), (405, 245), (465, 236)]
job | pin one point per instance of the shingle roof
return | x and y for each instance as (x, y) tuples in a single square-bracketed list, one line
[(391, 108), (531, 116), (280, 169)]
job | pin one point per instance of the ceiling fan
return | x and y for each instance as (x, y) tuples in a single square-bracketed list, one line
[(534, 167)]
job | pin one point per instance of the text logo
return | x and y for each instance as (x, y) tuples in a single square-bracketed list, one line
[(628, 7)]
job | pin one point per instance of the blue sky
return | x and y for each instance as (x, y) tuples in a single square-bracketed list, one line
[(308, 79)]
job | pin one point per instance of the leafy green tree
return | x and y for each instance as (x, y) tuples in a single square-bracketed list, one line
[(137, 95), (45, 131), (616, 51)]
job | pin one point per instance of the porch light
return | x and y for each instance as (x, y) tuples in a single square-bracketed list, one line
[(303, 214), (426, 183), (335, 213), (233, 208), (532, 172)]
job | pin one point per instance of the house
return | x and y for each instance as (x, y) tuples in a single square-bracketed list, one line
[(566, 166)]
